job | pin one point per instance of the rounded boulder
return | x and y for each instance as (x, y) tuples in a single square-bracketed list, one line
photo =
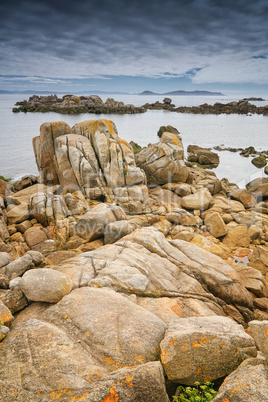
[(45, 284)]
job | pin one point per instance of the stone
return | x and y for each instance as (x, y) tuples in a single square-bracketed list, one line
[(4, 281), (15, 283), (5, 189), (14, 299), (48, 208), (36, 257), (244, 196), (19, 266), (237, 236), (115, 230), (247, 383), (182, 232), (59, 256), (259, 329), (259, 259), (259, 161), (5, 315), (254, 232), (70, 363), (45, 284), (92, 224), (145, 263), (181, 217), (3, 332), (44, 150), (253, 280), (18, 214), (204, 348), (34, 236), (200, 200), (202, 156), (5, 259), (23, 226), (163, 162), (215, 224)]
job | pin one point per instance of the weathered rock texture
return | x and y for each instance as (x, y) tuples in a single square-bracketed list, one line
[(90, 157), (204, 348), (164, 162)]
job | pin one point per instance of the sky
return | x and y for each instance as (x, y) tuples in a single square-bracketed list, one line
[(132, 46)]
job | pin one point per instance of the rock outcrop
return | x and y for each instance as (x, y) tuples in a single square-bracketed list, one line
[(111, 290), (72, 104), (164, 162), (91, 158)]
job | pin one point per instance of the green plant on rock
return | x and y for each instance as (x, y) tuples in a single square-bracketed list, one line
[(198, 393)]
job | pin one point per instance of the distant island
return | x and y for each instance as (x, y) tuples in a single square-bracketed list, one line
[(182, 93)]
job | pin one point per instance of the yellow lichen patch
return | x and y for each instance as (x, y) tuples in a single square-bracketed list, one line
[(196, 344), (54, 395), (65, 316), (163, 356), (205, 340), (112, 397), (140, 359), (207, 378), (129, 381), (109, 125), (266, 330), (225, 400), (198, 371), (223, 344), (171, 342), (185, 346), (109, 360)]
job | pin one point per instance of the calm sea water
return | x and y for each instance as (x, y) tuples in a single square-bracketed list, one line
[(18, 129)]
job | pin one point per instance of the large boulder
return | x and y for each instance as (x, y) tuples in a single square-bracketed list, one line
[(249, 382), (164, 162), (204, 348), (259, 330), (44, 150), (78, 347), (45, 285), (203, 156), (146, 264), (92, 224), (90, 157), (201, 200)]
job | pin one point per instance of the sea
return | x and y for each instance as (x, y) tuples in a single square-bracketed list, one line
[(237, 131)]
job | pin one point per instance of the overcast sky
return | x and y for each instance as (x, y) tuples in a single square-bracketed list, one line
[(74, 45)]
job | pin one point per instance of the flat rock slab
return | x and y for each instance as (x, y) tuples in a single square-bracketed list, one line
[(204, 348)]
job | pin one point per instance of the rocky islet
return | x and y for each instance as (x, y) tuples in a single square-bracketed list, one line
[(130, 273)]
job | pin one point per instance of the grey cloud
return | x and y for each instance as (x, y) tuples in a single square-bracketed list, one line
[(103, 33)]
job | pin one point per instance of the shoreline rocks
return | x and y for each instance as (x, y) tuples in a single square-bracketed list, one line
[(243, 106), (123, 271), (72, 104)]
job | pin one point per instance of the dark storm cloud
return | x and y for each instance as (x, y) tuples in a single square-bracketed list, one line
[(80, 38)]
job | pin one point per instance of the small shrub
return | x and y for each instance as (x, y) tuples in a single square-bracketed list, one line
[(199, 393)]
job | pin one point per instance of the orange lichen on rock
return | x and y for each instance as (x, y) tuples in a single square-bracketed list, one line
[(129, 381), (112, 397)]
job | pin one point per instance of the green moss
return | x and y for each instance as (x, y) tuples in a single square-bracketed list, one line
[(4, 179)]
